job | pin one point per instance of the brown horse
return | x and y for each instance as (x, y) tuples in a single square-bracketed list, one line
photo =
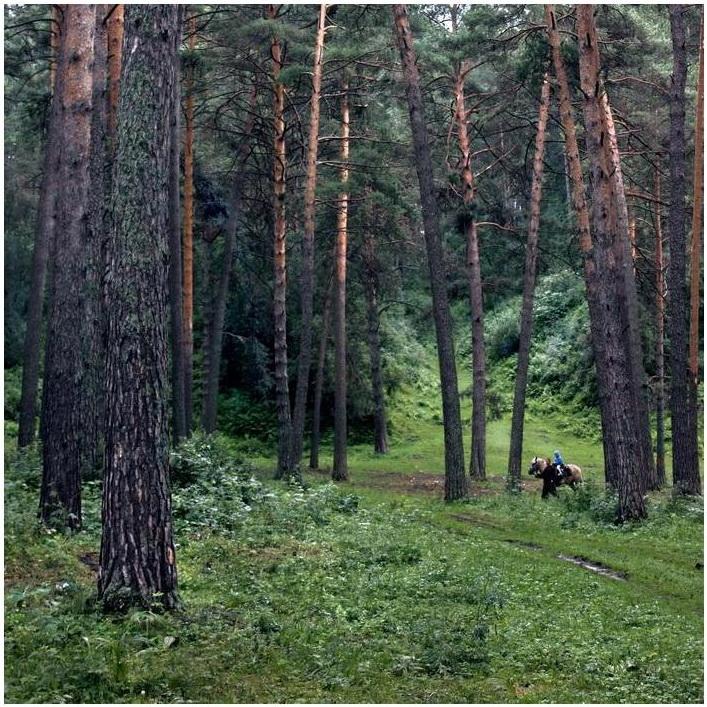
[(552, 476)]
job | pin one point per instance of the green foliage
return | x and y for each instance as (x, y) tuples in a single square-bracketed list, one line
[(241, 415), (13, 392)]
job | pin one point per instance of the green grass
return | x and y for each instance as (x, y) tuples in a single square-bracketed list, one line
[(326, 596)]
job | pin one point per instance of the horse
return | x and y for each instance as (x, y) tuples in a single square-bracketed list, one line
[(542, 468)]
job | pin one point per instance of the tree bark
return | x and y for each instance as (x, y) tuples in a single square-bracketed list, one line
[(319, 384), (696, 249), (371, 287), (686, 472), (282, 393), (340, 470), (44, 234), (137, 562), (526, 314), (214, 341), (66, 441), (188, 232), (622, 438), (115, 27), (660, 340), (477, 467), (579, 204), (629, 301), (179, 422), (455, 486), (93, 335), (307, 278)]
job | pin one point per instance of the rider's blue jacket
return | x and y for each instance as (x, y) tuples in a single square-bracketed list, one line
[(557, 459)]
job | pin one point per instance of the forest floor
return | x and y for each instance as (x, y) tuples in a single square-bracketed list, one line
[(371, 591)]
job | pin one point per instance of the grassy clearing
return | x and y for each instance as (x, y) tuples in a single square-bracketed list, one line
[(360, 594)]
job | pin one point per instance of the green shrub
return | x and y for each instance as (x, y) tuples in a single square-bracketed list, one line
[(13, 391)]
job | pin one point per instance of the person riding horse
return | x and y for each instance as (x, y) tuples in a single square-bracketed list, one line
[(555, 473)]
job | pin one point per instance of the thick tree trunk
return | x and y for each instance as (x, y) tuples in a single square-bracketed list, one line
[(179, 422), (622, 438), (629, 301), (44, 234), (319, 384), (188, 232), (340, 470), (307, 279), (526, 314), (371, 287), (214, 340), (579, 204), (455, 482), (115, 53), (686, 472), (477, 467), (66, 441), (93, 335), (659, 339), (54, 44), (137, 563), (696, 248), (282, 393)]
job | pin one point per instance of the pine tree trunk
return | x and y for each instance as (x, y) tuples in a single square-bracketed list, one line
[(371, 286), (44, 235), (93, 335), (137, 562), (622, 439), (529, 276), (634, 244), (696, 249), (579, 204), (282, 393), (188, 232), (319, 384), (686, 472), (307, 279), (455, 486), (66, 441), (214, 341), (179, 423), (629, 301), (660, 340), (340, 470), (477, 467), (115, 27)]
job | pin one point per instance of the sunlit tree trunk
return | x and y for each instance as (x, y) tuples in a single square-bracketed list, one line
[(284, 421), (529, 277), (188, 230), (307, 279), (115, 29), (66, 440), (622, 439), (340, 470), (686, 472), (659, 339), (137, 561), (44, 234), (455, 485), (477, 467), (579, 204)]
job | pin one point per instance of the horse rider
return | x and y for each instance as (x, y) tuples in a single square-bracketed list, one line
[(559, 462)]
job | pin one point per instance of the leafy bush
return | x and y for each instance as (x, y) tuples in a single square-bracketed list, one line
[(241, 415), (503, 330), (591, 501), (211, 489)]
